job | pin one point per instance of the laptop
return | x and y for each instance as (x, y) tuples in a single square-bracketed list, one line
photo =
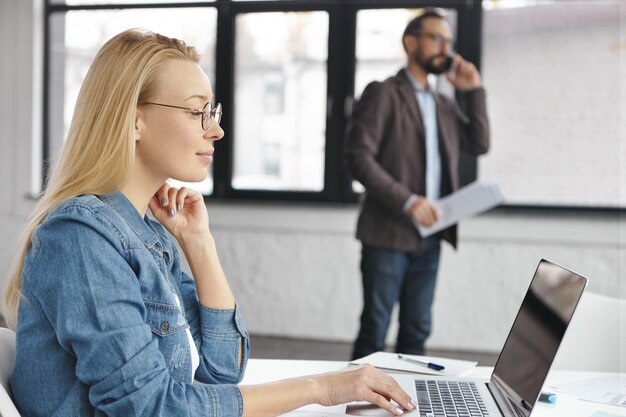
[(524, 361)]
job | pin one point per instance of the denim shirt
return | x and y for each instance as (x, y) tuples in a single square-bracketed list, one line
[(99, 332)]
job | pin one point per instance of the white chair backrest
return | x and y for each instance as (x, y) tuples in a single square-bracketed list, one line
[(596, 337), (7, 359)]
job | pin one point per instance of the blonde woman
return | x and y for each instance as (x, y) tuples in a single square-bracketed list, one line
[(106, 321)]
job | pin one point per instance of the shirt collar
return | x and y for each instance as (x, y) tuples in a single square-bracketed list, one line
[(416, 87), (129, 213)]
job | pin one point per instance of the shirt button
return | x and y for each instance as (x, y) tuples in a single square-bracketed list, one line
[(165, 326)]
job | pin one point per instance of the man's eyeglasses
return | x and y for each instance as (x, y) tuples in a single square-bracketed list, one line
[(438, 39), (208, 112)]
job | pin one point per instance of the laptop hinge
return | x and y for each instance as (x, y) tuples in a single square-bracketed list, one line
[(500, 400)]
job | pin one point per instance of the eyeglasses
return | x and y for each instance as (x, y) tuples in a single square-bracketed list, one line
[(208, 112), (438, 39)]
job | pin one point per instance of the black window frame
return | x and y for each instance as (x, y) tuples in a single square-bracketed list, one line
[(340, 82)]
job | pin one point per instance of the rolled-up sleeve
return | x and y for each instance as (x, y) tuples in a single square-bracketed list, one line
[(219, 334), (225, 346), (224, 400)]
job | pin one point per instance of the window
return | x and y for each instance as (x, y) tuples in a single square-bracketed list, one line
[(280, 100), (77, 35), (286, 72)]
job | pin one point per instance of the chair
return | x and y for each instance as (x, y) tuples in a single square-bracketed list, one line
[(596, 337), (7, 359)]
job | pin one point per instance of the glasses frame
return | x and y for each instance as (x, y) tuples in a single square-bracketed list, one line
[(440, 40), (208, 112)]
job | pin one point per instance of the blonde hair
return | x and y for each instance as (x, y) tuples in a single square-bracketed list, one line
[(98, 154)]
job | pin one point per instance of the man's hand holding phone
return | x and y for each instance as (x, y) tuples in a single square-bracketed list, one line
[(463, 75)]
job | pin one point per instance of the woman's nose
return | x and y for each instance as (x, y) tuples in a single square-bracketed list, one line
[(214, 132)]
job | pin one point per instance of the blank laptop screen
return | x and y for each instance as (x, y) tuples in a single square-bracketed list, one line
[(538, 330)]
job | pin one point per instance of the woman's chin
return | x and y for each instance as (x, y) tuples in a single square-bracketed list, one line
[(192, 178)]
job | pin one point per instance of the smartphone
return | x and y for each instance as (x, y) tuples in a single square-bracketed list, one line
[(450, 66)]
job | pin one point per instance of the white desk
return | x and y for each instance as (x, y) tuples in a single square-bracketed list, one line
[(265, 370)]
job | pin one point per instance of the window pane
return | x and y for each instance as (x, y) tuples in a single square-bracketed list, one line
[(76, 37), (553, 76), (122, 2), (280, 101), (379, 50)]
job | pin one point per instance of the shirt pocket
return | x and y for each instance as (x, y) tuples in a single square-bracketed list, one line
[(169, 327), (164, 319)]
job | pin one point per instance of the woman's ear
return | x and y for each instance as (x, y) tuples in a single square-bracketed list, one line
[(138, 124)]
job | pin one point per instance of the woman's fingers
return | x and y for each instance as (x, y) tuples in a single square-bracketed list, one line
[(383, 403), (162, 195), (172, 199), (389, 389)]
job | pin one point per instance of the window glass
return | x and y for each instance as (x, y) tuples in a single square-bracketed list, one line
[(121, 2), (280, 101), (553, 76), (76, 37)]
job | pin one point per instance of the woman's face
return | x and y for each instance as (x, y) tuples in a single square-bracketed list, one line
[(171, 142)]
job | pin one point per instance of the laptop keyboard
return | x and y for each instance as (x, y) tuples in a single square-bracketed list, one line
[(449, 399)]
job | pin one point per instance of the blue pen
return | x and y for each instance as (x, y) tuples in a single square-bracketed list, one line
[(547, 397), (430, 365)]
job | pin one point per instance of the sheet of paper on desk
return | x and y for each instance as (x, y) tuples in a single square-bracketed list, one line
[(390, 361), (469, 201), (603, 414), (605, 390)]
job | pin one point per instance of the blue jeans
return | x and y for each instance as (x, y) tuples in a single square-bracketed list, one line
[(389, 276)]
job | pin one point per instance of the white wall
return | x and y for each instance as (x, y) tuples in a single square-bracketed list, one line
[(19, 121), (294, 268)]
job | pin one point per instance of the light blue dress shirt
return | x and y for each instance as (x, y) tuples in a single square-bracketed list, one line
[(428, 109)]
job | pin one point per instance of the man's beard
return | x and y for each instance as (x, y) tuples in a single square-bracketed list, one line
[(430, 66)]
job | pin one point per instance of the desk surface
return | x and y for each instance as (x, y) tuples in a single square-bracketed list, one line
[(266, 370)]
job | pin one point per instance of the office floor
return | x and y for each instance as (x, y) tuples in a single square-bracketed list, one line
[(265, 347)]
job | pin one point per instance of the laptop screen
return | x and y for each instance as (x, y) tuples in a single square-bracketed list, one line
[(537, 332)]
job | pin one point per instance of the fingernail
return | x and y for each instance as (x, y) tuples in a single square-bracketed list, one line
[(399, 411), (414, 403), (172, 212), (178, 207), (411, 405), (163, 202)]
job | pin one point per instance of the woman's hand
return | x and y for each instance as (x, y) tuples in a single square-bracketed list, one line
[(364, 383), (182, 212)]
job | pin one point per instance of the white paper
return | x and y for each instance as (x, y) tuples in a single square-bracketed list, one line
[(388, 360), (606, 390), (469, 201)]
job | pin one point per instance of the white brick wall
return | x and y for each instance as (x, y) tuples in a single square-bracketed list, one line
[(553, 75)]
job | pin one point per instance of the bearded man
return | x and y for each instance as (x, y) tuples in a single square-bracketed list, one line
[(403, 144)]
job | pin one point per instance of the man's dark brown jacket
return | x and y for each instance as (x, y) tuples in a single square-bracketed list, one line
[(385, 151)]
